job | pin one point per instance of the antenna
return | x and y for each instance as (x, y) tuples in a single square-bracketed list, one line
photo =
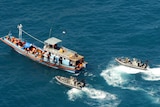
[(63, 33), (50, 32)]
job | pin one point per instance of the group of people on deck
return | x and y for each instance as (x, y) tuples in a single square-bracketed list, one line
[(31, 49), (16, 41), (44, 55), (135, 62), (53, 58)]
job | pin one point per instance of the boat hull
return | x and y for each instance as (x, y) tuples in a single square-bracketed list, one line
[(39, 60), (65, 83), (129, 65)]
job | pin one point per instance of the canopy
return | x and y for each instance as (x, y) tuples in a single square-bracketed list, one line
[(27, 45), (52, 41)]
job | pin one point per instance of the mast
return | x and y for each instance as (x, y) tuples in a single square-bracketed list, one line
[(20, 31)]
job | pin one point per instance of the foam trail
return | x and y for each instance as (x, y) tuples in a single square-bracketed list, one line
[(117, 76), (112, 78), (128, 70), (95, 97), (153, 93), (153, 74), (74, 93), (98, 94)]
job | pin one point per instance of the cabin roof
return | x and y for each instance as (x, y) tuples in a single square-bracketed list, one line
[(52, 41), (67, 53)]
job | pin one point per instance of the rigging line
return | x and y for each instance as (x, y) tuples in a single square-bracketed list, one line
[(33, 37)]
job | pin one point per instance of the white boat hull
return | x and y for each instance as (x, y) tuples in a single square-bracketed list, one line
[(130, 65)]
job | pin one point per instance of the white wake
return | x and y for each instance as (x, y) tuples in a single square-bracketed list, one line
[(152, 74), (94, 97), (117, 76), (122, 77)]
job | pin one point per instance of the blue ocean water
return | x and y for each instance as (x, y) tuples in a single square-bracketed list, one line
[(101, 30)]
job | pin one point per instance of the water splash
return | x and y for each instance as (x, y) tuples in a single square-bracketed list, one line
[(94, 97), (119, 76), (74, 93), (89, 74), (98, 94), (128, 70), (153, 74)]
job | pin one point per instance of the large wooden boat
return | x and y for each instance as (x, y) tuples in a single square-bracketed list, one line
[(51, 54), (70, 82), (134, 63)]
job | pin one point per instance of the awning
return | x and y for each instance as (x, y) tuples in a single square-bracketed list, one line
[(27, 45), (52, 41)]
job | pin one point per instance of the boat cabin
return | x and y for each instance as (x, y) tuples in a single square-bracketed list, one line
[(68, 57)]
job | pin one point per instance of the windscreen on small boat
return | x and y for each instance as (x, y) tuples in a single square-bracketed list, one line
[(27, 45)]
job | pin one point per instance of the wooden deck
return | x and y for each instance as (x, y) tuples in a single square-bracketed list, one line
[(66, 53)]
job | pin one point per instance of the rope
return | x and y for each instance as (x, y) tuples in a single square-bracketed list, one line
[(33, 37)]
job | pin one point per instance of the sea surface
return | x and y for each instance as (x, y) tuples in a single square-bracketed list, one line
[(100, 30)]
